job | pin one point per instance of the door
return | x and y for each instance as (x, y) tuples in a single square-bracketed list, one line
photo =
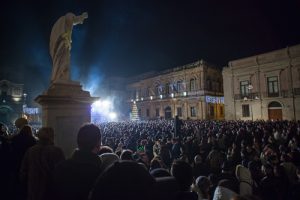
[(275, 110), (275, 114)]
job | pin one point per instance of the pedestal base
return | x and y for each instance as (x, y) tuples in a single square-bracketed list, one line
[(65, 108)]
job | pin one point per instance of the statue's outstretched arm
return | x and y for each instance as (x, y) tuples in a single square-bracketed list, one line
[(79, 19)]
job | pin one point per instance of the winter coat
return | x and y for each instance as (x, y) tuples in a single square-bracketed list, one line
[(244, 176), (37, 170), (74, 178), (223, 193)]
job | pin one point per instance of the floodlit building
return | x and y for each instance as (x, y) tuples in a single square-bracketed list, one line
[(192, 91), (265, 86), (12, 101)]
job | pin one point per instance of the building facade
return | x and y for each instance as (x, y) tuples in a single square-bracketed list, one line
[(12, 100), (192, 91), (263, 87)]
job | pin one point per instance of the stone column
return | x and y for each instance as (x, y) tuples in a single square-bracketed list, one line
[(65, 108)]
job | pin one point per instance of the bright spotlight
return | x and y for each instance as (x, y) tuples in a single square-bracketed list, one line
[(112, 115), (97, 104), (105, 104)]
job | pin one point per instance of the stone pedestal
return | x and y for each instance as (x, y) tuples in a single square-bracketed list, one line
[(65, 107)]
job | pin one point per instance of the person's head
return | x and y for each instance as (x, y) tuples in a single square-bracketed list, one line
[(159, 172), (183, 173), (267, 170), (130, 179), (89, 138), (105, 149), (126, 155), (21, 122), (26, 130), (46, 135), (203, 183), (198, 159)]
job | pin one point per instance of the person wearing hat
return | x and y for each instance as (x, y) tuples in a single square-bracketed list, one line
[(38, 165)]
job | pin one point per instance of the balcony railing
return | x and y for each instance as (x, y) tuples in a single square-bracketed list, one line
[(251, 96), (248, 96), (281, 93)]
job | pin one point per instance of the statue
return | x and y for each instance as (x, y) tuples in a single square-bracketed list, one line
[(60, 45)]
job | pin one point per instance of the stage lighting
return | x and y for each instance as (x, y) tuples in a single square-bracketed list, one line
[(112, 115)]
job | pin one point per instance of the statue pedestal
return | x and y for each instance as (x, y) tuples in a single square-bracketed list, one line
[(65, 108)]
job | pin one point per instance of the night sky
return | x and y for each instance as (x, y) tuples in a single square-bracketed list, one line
[(126, 38)]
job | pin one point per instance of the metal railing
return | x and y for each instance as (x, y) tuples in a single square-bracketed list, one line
[(247, 96)]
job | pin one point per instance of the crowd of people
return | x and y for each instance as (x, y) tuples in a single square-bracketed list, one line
[(201, 159)]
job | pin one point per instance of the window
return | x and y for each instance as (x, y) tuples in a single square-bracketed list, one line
[(140, 112), (148, 112), (167, 88), (157, 112), (245, 110), (208, 84), (148, 92), (192, 84), (179, 86), (273, 86), (179, 112), (244, 88), (212, 110), (193, 112), (157, 90)]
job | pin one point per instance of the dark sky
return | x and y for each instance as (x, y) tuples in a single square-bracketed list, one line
[(125, 38)]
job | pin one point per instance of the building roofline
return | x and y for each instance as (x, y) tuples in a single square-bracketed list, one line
[(269, 57)]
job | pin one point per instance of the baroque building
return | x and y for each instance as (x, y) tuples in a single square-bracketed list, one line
[(263, 87), (192, 91)]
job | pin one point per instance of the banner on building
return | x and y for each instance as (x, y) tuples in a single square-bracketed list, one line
[(211, 99)]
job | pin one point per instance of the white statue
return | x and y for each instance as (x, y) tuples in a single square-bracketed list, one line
[(60, 45)]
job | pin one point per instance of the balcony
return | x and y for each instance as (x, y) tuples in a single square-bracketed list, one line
[(251, 96), (248, 96), (281, 93)]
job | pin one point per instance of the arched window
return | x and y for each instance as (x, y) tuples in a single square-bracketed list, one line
[(192, 84)]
